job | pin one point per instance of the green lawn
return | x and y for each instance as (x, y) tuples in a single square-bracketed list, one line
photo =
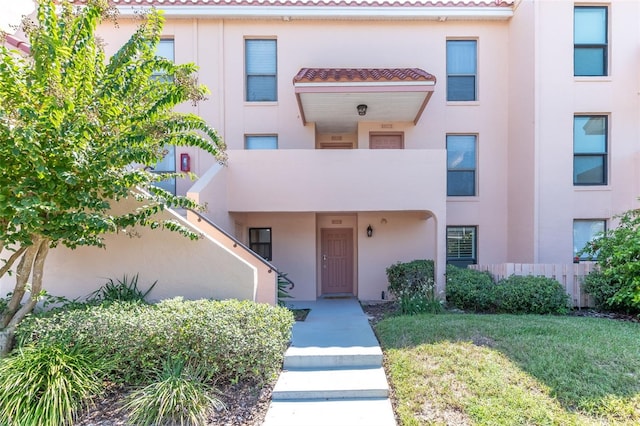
[(463, 369)]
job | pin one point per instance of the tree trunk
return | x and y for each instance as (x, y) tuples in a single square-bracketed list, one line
[(36, 285), (23, 272), (6, 341)]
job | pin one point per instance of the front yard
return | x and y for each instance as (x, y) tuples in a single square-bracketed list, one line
[(465, 369)]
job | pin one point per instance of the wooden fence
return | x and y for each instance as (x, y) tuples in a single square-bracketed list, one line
[(570, 276)]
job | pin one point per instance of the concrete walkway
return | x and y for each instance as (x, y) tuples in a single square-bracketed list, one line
[(333, 371)]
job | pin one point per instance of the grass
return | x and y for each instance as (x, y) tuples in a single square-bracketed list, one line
[(512, 370)]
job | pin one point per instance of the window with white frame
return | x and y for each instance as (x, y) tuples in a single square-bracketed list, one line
[(260, 242), (584, 231), (590, 41), (462, 245), (461, 165), (462, 65), (261, 70), (261, 142), (165, 49), (590, 149)]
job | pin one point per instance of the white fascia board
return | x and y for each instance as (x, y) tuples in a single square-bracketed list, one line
[(288, 12)]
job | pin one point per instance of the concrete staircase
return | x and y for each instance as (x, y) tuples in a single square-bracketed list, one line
[(333, 371)]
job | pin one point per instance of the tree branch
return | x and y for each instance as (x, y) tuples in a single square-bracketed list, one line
[(11, 260)]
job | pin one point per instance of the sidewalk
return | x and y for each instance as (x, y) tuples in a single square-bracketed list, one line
[(333, 371)]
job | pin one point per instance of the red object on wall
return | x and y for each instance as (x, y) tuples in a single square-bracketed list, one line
[(185, 163)]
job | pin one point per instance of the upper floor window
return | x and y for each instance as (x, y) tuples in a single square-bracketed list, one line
[(461, 245), (260, 242), (461, 165), (584, 231), (260, 70), (261, 142), (590, 41), (590, 150), (164, 49), (462, 70)]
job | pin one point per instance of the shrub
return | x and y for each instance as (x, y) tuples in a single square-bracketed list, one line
[(532, 295), (124, 290), (179, 396), (603, 289), (47, 385), (469, 289), (618, 254), (230, 339), (413, 285)]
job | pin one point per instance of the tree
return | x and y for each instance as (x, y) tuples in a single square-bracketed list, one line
[(617, 252), (73, 125)]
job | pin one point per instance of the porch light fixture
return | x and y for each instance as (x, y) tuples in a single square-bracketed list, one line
[(362, 109), (369, 231)]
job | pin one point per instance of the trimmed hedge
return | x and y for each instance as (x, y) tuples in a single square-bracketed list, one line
[(469, 289), (530, 295), (476, 291), (231, 340)]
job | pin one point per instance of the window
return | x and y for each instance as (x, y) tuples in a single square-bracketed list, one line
[(461, 70), (590, 41), (261, 142), (165, 49), (260, 242), (590, 150), (461, 165), (260, 70), (461, 245), (585, 231)]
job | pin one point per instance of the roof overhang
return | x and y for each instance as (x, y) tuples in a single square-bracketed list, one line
[(330, 97), (439, 10)]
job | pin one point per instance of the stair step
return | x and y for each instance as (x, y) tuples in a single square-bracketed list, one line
[(332, 357), (361, 412), (331, 384)]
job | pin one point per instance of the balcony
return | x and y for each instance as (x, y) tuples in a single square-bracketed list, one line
[(334, 180)]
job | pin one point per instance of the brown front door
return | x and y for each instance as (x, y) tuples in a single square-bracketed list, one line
[(336, 247), (386, 141)]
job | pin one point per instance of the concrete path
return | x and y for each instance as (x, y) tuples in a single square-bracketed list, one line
[(333, 373)]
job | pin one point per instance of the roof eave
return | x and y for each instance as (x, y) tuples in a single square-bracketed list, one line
[(327, 12)]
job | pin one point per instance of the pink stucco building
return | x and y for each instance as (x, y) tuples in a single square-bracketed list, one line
[(363, 133)]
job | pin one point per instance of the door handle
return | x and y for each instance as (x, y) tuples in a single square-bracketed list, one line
[(324, 257)]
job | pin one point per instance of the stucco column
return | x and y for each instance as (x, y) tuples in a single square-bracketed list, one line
[(441, 254)]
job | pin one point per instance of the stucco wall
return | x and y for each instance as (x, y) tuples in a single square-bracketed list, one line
[(192, 269), (560, 95)]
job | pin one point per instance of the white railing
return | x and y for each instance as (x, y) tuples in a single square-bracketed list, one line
[(570, 276)]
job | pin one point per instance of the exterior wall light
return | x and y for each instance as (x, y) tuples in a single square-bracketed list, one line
[(362, 109), (369, 231)]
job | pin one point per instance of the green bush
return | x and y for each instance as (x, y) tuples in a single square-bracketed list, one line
[(603, 289), (413, 285), (469, 289), (178, 396), (124, 290), (231, 340), (47, 385), (530, 295), (617, 252)]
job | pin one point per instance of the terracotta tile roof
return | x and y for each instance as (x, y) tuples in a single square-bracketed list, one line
[(341, 75), (315, 3), (17, 43)]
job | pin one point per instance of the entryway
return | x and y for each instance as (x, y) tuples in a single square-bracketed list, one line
[(336, 262)]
